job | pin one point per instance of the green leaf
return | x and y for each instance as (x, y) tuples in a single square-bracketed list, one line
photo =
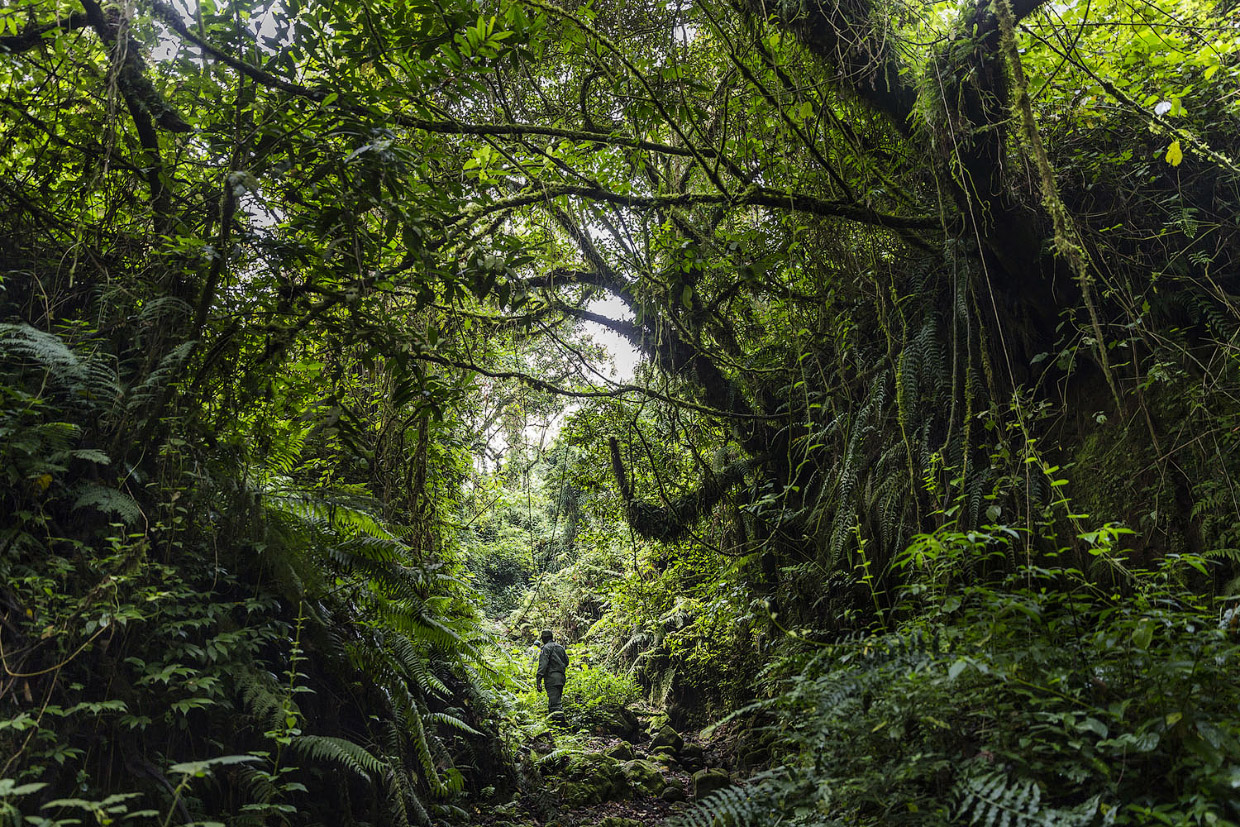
[(201, 768), (1093, 725)]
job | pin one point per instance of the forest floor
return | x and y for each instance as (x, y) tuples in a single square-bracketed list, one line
[(574, 779)]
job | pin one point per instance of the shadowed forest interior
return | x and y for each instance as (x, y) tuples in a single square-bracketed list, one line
[(851, 386)]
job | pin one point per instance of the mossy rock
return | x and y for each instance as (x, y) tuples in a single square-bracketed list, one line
[(673, 793), (753, 758), (622, 751), (693, 756), (617, 721), (665, 736), (706, 782), (619, 821), (543, 742), (591, 778), (644, 775), (667, 760), (665, 755)]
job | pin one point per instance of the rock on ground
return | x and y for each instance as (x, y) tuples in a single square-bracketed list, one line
[(591, 778), (666, 737), (644, 775), (706, 782), (622, 751), (673, 792)]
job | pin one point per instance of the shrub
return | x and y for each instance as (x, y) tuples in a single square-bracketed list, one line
[(593, 695), (1041, 699)]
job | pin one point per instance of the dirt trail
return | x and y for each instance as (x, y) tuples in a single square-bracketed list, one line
[(573, 780)]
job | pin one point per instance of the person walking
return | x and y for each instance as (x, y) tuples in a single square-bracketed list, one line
[(552, 672)]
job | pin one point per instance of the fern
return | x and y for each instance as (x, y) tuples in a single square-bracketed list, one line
[(108, 501), (451, 721), (261, 697), (25, 344), (163, 309), (154, 383), (1231, 555), (345, 512), (422, 748), (399, 793), (342, 752), (86, 381), (320, 533), (774, 791), (417, 667), (851, 467), (995, 798), (420, 815)]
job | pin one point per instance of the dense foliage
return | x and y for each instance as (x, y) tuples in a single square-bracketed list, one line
[(1043, 697), (295, 392)]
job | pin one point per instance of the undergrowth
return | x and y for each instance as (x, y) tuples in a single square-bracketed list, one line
[(201, 637), (1041, 698)]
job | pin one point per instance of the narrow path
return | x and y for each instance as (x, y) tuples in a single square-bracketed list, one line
[(573, 779)]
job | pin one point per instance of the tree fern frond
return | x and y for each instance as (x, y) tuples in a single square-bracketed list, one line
[(417, 667), (342, 752), (163, 309), (422, 748), (995, 798), (257, 784), (452, 721), (108, 501), (399, 789), (152, 386), (421, 626), (413, 803), (22, 343), (732, 806), (85, 379), (261, 696), (346, 512)]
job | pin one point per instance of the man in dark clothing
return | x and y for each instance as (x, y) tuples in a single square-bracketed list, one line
[(552, 668)]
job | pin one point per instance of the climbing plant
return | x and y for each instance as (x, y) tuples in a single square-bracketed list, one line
[(282, 286)]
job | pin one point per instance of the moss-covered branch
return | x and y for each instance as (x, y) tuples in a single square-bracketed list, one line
[(673, 520)]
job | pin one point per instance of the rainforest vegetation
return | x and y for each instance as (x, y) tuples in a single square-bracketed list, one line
[(853, 387)]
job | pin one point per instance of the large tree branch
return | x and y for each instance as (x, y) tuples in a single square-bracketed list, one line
[(616, 391), (866, 59), (674, 354), (753, 197), (674, 519), (34, 35), (144, 101), (842, 32), (672, 347), (966, 76), (452, 127), (172, 18), (569, 277), (146, 106)]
